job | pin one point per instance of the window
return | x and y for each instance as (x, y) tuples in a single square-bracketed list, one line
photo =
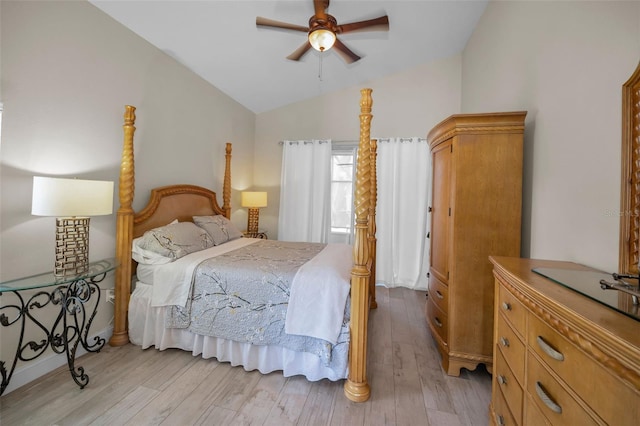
[(342, 170)]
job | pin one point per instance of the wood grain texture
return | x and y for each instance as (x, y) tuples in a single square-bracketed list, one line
[(226, 186), (124, 228), (131, 386), (372, 223), (600, 367), (166, 204), (356, 387), (475, 212), (181, 202), (630, 192)]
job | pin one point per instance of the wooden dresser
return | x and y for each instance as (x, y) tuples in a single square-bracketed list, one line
[(475, 212), (560, 358)]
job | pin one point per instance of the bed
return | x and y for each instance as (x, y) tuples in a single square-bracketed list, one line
[(158, 304)]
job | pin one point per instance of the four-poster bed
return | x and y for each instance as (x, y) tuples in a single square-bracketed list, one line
[(182, 203)]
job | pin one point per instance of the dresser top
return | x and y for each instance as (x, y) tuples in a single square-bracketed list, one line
[(580, 310)]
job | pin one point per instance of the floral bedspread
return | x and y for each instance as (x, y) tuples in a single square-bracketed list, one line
[(243, 295)]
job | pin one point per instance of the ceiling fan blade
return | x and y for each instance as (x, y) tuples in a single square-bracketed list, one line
[(300, 51), (376, 24), (346, 53), (320, 8), (270, 23)]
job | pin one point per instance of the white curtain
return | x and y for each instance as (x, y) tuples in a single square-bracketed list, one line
[(403, 166), (305, 207)]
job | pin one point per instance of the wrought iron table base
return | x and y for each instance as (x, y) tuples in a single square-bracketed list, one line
[(75, 317)]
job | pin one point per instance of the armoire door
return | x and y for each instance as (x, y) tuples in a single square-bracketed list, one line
[(440, 211)]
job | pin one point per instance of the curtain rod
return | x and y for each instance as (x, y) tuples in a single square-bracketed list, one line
[(351, 142), (332, 141), (382, 140)]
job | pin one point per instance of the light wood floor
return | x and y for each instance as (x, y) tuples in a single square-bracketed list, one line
[(135, 387)]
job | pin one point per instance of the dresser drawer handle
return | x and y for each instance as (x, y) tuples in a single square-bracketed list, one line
[(500, 420), (439, 295), (504, 342), (502, 380), (437, 321), (506, 306), (553, 406), (549, 350)]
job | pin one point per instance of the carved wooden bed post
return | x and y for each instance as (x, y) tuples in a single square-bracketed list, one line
[(356, 387), (124, 231), (226, 186), (372, 224)]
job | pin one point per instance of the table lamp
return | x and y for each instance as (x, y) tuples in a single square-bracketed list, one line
[(253, 200), (71, 201)]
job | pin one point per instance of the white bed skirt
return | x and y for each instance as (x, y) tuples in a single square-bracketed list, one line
[(146, 329)]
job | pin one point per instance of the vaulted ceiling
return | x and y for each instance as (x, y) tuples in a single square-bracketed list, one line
[(220, 42)]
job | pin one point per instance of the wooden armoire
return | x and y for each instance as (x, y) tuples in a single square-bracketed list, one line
[(475, 212)]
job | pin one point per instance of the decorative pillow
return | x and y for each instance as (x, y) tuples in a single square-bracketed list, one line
[(171, 242), (219, 228), (147, 257)]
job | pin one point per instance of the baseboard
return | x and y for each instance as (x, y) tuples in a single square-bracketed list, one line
[(32, 370)]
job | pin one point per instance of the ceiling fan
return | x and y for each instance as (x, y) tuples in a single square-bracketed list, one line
[(323, 30)]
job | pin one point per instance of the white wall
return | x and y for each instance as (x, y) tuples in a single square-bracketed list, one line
[(408, 103), (67, 71), (565, 63)]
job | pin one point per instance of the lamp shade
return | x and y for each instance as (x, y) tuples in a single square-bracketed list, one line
[(71, 197), (322, 39), (254, 199)]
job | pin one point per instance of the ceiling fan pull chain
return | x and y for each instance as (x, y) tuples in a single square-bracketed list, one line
[(320, 66)]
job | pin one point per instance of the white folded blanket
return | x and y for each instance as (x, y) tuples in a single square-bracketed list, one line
[(319, 294)]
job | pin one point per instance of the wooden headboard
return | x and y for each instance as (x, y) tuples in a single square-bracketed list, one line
[(184, 201), (180, 202), (165, 204)]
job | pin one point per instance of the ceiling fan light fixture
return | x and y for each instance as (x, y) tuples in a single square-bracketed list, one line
[(322, 39)]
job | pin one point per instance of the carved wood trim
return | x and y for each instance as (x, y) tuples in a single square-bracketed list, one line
[(356, 387), (124, 232), (157, 194), (468, 124), (226, 186), (477, 130), (474, 359), (630, 193), (130, 224), (578, 339), (372, 224)]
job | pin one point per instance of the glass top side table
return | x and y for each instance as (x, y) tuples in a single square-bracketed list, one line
[(73, 295)]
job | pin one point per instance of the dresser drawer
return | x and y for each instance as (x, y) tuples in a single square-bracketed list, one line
[(437, 320), (609, 397), (532, 414), (439, 293), (550, 396), (503, 416), (511, 347), (512, 309), (505, 382)]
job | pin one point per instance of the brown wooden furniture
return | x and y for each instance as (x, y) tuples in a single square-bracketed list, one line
[(475, 212), (184, 201), (559, 357), (630, 193)]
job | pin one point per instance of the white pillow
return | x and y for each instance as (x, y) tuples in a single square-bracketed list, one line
[(219, 228), (168, 243), (147, 257)]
